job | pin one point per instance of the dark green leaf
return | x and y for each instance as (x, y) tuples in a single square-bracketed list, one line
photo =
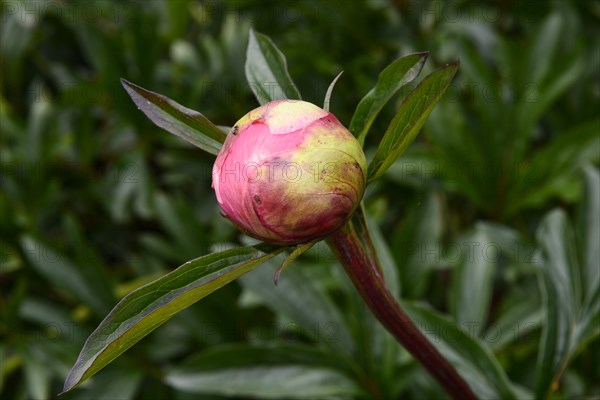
[(589, 237), (589, 234), (417, 244), (266, 70), (396, 75), (570, 286), (411, 116), (588, 328), (143, 310), (178, 218), (305, 302), (473, 360), (266, 372), (554, 167), (37, 376), (514, 323), (188, 124), (544, 48), (537, 98), (117, 382), (11, 261), (43, 313), (472, 285), (76, 280), (559, 281)]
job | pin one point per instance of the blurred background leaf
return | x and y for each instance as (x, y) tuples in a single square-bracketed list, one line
[(266, 70), (96, 201), (572, 312)]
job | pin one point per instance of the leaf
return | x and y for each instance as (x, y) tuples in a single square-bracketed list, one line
[(589, 232), (588, 328), (554, 166), (117, 382), (559, 285), (538, 98), (305, 302), (473, 360), (330, 91), (569, 282), (88, 261), (266, 70), (177, 217), (145, 309), (589, 254), (167, 114), (515, 322), (37, 376), (266, 372), (472, 284), (396, 75), (417, 245), (411, 116), (77, 281), (544, 49)]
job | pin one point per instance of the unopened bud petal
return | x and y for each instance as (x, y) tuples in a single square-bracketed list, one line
[(289, 172)]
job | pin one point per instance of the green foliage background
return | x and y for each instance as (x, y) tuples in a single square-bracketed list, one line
[(96, 201)]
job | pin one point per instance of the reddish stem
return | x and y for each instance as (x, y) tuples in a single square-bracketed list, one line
[(364, 273)]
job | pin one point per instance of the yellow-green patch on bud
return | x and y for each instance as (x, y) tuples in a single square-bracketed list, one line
[(289, 172)]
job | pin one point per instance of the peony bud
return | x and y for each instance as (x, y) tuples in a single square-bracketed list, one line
[(289, 172)]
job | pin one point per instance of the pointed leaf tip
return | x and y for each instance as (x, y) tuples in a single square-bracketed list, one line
[(146, 308), (266, 70), (390, 80), (409, 119), (327, 100)]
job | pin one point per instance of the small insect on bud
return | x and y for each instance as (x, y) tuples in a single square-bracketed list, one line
[(289, 172)]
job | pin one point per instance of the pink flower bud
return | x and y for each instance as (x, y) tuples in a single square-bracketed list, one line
[(289, 172)]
